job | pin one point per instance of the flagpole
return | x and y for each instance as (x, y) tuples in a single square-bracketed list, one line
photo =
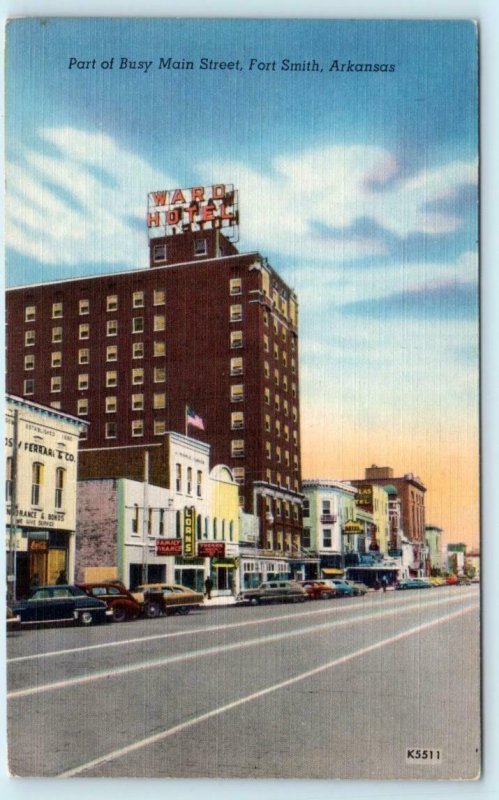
[(186, 422)]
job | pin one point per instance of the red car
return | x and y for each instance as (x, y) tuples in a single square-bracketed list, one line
[(318, 590), (121, 602)]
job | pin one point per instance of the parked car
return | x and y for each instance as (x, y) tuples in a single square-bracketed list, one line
[(414, 583), (116, 596), (167, 598), (343, 587), (274, 592), (358, 588), (60, 604), (451, 580), (318, 590), (13, 620)]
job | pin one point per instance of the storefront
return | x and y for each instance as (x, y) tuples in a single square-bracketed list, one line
[(41, 450)]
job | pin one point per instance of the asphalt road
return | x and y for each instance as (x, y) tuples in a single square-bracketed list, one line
[(349, 688)]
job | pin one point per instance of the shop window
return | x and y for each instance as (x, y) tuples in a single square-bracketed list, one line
[(60, 477), (37, 471)]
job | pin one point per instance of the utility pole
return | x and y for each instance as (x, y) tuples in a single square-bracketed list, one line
[(145, 519), (12, 561)]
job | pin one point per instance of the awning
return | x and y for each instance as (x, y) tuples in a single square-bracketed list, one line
[(332, 571)]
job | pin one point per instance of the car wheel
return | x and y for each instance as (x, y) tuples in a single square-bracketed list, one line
[(152, 610), (119, 614), (85, 618), (254, 601)]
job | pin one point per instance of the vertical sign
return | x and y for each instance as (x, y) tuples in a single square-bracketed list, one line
[(189, 527)]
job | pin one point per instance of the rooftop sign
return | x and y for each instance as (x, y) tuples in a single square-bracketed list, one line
[(175, 211)]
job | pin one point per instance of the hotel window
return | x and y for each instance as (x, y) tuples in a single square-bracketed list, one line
[(159, 349), (266, 395), (112, 302), (29, 338), (278, 479), (286, 433), (112, 327), (159, 297), (111, 378), (276, 377), (29, 362), (57, 335), (238, 474), (235, 286), (82, 407), (284, 334), (276, 352), (199, 483), (237, 393), (284, 358), (295, 438), (56, 384), (83, 330), (268, 475), (276, 326), (278, 454), (111, 405), (159, 374), (112, 353), (326, 537), (295, 414), (286, 408), (138, 350), (83, 381), (55, 404), (159, 322), (83, 355), (137, 427), (237, 448), (265, 343), (56, 359), (110, 430), (138, 325), (236, 313), (37, 470), (56, 310), (268, 449), (138, 299), (266, 369), (178, 477), (267, 422), (265, 319), (275, 297), (29, 386), (84, 307), (293, 366), (285, 382), (189, 480), (30, 313), (277, 402), (159, 253), (293, 390), (137, 402), (159, 427), (278, 508), (200, 247), (137, 376), (277, 428), (236, 339), (295, 463), (236, 365), (286, 457), (159, 400), (236, 420)]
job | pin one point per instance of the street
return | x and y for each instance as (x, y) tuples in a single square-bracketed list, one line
[(344, 688)]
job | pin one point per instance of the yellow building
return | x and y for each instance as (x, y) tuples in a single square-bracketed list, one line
[(223, 549)]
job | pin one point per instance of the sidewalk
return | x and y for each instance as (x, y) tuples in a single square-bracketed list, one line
[(223, 600)]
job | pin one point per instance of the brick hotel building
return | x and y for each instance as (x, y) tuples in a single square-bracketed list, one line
[(204, 326)]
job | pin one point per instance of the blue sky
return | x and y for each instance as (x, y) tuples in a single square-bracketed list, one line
[(361, 188)]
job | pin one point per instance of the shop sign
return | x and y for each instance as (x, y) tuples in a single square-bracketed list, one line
[(364, 496), (168, 547), (176, 211), (211, 549), (352, 527), (38, 545), (189, 528)]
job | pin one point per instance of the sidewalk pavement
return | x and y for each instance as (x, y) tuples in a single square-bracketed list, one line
[(222, 600)]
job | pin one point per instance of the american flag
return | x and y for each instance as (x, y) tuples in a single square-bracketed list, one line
[(191, 418)]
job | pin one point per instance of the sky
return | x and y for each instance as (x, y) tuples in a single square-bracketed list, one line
[(360, 187)]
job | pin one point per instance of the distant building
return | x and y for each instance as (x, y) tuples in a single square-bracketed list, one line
[(41, 451), (433, 536)]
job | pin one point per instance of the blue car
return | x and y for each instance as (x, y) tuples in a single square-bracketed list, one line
[(342, 587), (60, 604), (414, 583)]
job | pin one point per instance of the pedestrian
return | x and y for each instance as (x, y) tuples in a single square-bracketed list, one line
[(35, 581), (208, 585), (62, 578), (385, 582)]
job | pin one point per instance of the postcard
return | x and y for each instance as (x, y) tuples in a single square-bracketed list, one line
[(241, 420)]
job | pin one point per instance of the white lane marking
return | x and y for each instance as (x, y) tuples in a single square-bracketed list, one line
[(215, 712), (213, 628), (216, 650)]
